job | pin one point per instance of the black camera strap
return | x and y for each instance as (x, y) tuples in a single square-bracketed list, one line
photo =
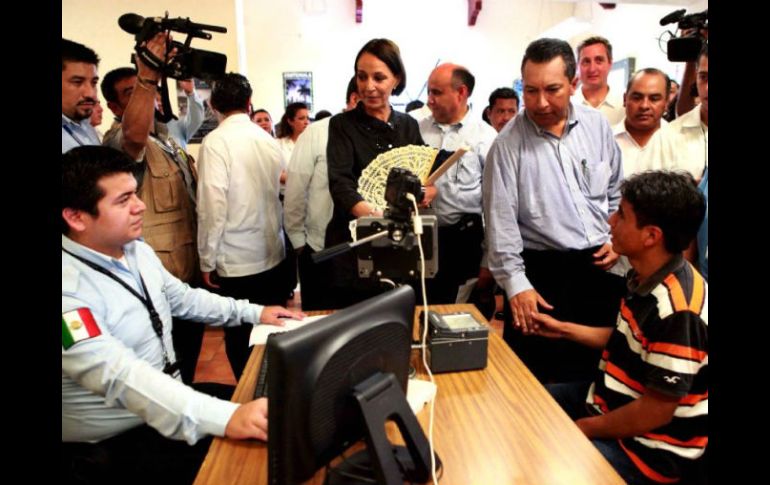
[(157, 323), (168, 113)]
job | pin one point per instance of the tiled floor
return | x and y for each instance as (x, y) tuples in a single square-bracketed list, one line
[(214, 367)]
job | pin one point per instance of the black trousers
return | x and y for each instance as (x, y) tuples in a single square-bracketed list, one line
[(187, 337), (579, 292), (140, 455), (314, 281), (459, 258), (266, 288)]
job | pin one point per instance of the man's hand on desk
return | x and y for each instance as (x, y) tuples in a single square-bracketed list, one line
[(272, 315), (523, 305), (249, 421)]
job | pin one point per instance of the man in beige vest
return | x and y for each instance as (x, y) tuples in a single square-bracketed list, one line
[(167, 183)]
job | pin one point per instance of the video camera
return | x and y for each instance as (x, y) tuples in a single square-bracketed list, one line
[(687, 48), (188, 62)]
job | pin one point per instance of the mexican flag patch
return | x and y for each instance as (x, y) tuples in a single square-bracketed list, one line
[(77, 325)]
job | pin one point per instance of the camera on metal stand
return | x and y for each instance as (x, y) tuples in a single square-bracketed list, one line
[(396, 257), (687, 48), (387, 246), (187, 62)]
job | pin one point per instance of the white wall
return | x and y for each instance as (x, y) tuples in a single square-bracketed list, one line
[(326, 42), (322, 36)]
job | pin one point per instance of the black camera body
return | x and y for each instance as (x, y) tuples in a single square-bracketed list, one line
[(687, 48), (188, 62), (401, 182)]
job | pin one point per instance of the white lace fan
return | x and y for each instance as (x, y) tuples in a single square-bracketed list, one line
[(415, 158)]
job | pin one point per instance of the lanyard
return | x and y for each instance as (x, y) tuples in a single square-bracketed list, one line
[(72, 134), (157, 324)]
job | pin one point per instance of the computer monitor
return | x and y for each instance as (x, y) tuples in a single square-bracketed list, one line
[(337, 381)]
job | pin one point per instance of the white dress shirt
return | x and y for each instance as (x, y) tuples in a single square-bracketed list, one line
[(630, 148), (682, 145), (307, 203), (239, 213), (611, 107)]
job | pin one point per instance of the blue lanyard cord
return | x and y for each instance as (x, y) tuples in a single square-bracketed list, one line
[(72, 134)]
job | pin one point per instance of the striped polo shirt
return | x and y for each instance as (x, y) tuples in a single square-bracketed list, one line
[(660, 342)]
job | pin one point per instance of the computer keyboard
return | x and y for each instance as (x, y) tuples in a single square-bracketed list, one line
[(261, 390)]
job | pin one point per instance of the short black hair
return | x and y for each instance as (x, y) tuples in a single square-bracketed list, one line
[(322, 114), (231, 93), (544, 50), (652, 71), (284, 128), (352, 88), (463, 77), (413, 105), (704, 52), (669, 200), (503, 93), (388, 52), (112, 78), (596, 40), (82, 169), (75, 52)]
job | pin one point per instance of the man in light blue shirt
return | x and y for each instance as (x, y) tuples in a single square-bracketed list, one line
[(550, 183), (182, 130), (79, 77), (456, 196), (122, 395)]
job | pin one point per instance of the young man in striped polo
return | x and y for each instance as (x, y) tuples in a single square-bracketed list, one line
[(647, 408)]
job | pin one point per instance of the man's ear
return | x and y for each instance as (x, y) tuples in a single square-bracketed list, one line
[(653, 235), (74, 219)]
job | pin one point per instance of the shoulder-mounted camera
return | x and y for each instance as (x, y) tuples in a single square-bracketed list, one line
[(188, 62), (687, 48)]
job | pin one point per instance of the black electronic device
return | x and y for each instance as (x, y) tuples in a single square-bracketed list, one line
[(686, 48), (456, 342), (180, 61), (336, 382), (188, 62), (387, 246), (396, 256)]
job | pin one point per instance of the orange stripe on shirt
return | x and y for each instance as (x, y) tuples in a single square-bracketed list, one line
[(676, 293), (628, 316), (692, 399), (642, 466), (698, 293), (695, 442), (678, 351), (620, 375), (601, 403)]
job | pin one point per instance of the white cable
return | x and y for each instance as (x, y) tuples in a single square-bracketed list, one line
[(419, 230)]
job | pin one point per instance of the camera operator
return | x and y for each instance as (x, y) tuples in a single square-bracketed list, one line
[(686, 100), (167, 182), (683, 143)]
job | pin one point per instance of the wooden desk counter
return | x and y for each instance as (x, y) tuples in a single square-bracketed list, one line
[(494, 426)]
